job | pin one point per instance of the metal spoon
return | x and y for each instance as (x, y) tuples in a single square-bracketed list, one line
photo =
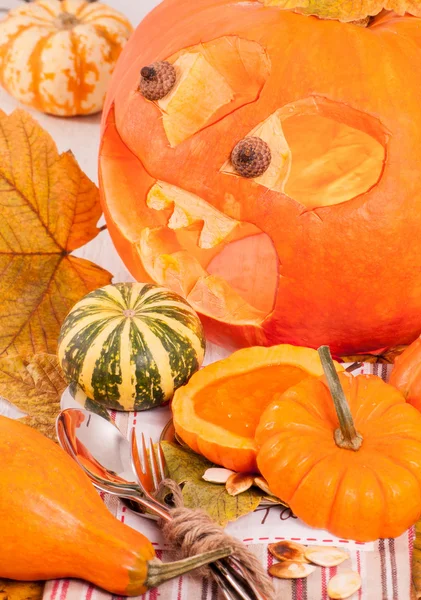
[(104, 453), (106, 463)]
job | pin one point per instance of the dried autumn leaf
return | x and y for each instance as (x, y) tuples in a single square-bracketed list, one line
[(344, 10), (21, 590), (416, 561), (48, 209), (387, 357), (187, 468), (35, 387)]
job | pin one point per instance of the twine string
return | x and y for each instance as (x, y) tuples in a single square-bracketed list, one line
[(192, 531)]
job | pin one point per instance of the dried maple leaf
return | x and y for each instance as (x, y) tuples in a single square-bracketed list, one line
[(347, 10), (35, 387), (187, 468), (48, 208)]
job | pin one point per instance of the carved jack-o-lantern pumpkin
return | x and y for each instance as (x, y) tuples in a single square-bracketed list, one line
[(267, 166)]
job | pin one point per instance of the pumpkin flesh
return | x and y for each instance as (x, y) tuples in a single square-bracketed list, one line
[(217, 412), (364, 495), (254, 390)]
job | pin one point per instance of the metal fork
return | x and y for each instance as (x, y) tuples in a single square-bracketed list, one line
[(150, 472)]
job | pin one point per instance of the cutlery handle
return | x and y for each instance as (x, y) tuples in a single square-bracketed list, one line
[(233, 585), (236, 568), (224, 584), (236, 580), (154, 507)]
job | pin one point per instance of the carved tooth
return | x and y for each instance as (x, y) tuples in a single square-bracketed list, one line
[(213, 233), (215, 292), (166, 263), (180, 218), (189, 209), (158, 199)]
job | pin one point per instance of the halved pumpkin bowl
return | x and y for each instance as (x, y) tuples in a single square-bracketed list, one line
[(217, 413)]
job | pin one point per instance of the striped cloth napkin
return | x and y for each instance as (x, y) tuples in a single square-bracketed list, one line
[(384, 566)]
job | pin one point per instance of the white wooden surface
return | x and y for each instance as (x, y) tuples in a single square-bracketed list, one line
[(81, 136)]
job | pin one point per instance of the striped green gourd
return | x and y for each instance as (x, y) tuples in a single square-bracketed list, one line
[(131, 345)]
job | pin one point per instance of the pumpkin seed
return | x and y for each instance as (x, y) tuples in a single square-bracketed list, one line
[(326, 556), (343, 585), (291, 570), (238, 483), (263, 485), (288, 552), (216, 475)]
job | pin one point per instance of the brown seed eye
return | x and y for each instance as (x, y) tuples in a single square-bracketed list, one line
[(157, 80), (251, 157)]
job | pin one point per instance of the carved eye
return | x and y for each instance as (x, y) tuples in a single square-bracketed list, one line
[(157, 80), (251, 157)]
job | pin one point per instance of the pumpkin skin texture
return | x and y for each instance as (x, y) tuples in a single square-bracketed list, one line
[(56, 523), (217, 412), (58, 56), (371, 493), (406, 374), (260, 265), (131, 345)]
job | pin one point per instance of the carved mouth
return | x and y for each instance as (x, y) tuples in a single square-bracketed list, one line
[(210, 258)]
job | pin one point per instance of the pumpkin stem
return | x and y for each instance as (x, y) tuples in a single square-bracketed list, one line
[(346, 436), (159, 572), (66, 20), (148, 73)]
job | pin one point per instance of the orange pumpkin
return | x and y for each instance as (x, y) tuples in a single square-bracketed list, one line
[(58, 56), (353, 469), (55, 525), (406, 374), (297, 252), (218, 411)]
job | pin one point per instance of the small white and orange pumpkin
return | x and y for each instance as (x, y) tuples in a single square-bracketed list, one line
[(58, 57)]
